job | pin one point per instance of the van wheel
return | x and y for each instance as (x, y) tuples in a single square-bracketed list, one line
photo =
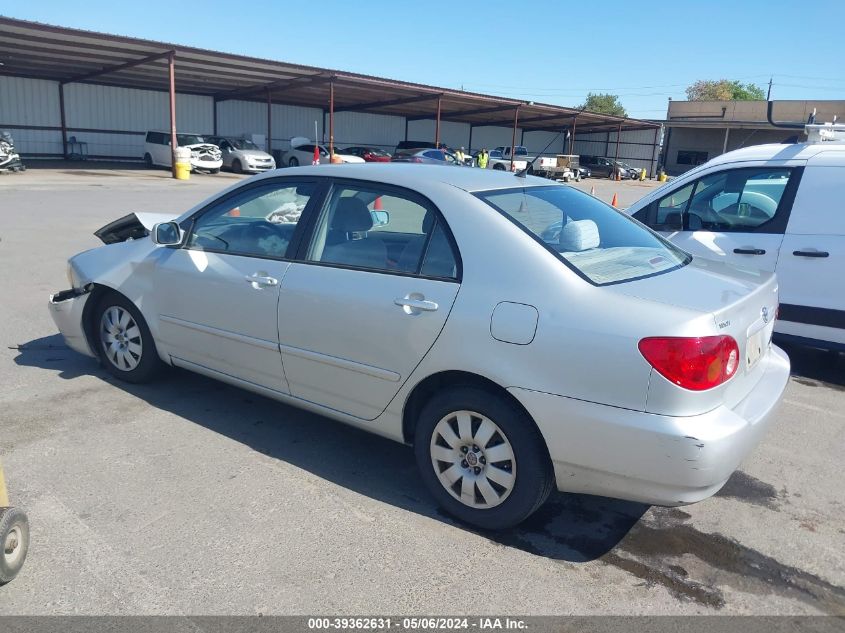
[(123, 340), (482, 458), (293, 162), (148, 161)]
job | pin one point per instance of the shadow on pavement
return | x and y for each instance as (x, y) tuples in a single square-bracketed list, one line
[(569, 527)]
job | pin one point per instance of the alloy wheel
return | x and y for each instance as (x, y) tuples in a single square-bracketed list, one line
[(473, 459), (121, 339)]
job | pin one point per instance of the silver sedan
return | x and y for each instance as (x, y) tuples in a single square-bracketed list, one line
[(436, 306)]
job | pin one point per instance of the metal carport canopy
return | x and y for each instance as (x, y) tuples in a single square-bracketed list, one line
[(31, 49)]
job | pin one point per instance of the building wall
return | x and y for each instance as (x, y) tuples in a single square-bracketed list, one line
[(361, 128), (636, 147), (452, 133), (32, 102)]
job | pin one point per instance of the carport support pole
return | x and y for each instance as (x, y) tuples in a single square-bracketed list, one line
[(331, 121), (513, 136), (269, 123), (618, 134), (171, 70), (437, 124), (572, 137), (62, 118)]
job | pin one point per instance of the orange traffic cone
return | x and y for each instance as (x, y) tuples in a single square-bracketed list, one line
[(377, 206), (614, 202), (593, 191)]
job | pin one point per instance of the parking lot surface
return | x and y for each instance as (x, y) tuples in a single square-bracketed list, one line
[(190, 497)]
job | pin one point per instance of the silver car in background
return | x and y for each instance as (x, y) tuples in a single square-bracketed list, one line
[(241, 155), (435, 307)]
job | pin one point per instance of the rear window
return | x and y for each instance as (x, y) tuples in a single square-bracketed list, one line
[(598, 242)]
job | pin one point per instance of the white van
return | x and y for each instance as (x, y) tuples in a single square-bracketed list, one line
[(204, 156), (772, 207)]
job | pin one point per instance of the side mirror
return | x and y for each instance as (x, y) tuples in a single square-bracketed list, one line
[(166, 234), (380, 218)]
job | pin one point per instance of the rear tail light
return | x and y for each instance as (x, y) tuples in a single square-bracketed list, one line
[(692, 363)]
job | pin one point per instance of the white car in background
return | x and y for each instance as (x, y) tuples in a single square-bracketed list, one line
[(205, 156), (241, 155), (777, 208), (301, 152)]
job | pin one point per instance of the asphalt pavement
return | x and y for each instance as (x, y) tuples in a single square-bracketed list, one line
[(186, 496)]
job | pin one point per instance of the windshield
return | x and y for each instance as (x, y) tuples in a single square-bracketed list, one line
[(242, 143), (601, 244), (188, 139)]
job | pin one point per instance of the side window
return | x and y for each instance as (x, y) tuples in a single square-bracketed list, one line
[(435, 154), (258, 222), (738, 200), (379, 229)]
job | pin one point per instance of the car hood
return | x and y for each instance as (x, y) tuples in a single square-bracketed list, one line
[(257, 153), (131, 227)]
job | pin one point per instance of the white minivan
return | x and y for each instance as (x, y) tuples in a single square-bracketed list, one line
[(772, 207), (205, 156)]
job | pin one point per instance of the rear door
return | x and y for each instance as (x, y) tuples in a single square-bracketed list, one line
[(812, 257), (369, 298), (736, 214)]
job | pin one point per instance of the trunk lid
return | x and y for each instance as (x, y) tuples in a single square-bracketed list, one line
[(743, 303)]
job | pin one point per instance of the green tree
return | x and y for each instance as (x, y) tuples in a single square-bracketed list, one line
[(604, 104), (724, 90)]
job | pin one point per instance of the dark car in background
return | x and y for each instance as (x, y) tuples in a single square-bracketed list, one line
[(424, 155), (369, 154), (404, 145)]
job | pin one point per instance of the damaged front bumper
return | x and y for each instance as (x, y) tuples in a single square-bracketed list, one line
[(66, 308)]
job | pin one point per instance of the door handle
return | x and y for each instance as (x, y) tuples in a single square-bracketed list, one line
[(416, 304), (749, 251), (261, 280), (811, 253)]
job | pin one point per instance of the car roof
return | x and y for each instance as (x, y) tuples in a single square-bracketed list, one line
[(416, 176), (774, 151)]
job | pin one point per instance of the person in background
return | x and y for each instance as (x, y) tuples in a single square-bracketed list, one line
[(482, 158), (459, 154)]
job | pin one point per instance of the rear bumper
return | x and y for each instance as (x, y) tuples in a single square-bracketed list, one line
[(656, 459), (66, 308)]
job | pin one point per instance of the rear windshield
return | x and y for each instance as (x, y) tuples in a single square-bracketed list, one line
[(601, 244)]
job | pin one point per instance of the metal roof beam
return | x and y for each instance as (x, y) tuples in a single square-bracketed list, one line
[(387, 103), (273, 85), (112, 69)]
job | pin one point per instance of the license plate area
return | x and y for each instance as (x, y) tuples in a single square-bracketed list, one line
[(754, 348)]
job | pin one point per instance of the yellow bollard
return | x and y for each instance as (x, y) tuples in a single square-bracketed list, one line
[(183, 171), (642, 175)]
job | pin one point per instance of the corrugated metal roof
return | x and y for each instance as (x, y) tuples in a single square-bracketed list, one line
[(31, 49)]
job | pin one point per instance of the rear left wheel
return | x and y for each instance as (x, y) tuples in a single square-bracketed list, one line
[(123, 340), (482, 458), (14, 543)]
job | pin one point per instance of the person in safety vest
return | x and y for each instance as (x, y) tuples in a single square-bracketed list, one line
[(482, 158)]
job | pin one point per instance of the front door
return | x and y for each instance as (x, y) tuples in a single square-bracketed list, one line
[(218, 294), (369, 300), (737, 214)]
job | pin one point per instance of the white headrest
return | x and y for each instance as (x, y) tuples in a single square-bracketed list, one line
[(579, 235)]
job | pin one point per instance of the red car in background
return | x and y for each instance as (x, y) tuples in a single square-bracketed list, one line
[(369, 154)]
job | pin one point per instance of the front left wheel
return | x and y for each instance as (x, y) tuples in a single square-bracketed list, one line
[(123, 340), (482, 458)]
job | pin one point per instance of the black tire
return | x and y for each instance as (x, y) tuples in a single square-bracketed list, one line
[(14, 532), (148, 161), (499, 166), (293, 162), (236, 166), (534, 479), (213, 171), (143, 366)]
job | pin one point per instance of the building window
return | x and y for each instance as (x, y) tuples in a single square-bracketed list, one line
[(691, 158)]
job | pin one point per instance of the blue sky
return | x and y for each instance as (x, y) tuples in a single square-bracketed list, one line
[(644, 52)]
